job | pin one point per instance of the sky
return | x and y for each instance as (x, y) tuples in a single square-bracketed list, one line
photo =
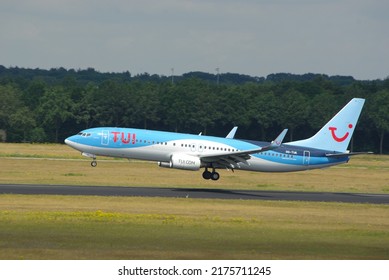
[(252, 37)]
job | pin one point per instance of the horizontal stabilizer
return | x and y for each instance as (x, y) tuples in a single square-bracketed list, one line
[(339, 155)]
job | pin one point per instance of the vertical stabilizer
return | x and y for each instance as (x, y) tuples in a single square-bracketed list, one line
[(337, 133)]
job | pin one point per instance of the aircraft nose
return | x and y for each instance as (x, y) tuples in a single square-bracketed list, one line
[(70, 141)]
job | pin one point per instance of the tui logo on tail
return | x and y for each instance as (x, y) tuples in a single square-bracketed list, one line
[(336, 138)]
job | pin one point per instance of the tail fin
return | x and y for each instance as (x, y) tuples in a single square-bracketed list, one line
[(337, 133)]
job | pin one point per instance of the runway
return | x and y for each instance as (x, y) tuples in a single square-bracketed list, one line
[(193, 193)]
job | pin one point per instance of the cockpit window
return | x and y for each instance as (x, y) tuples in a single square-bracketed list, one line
[(84, 134)]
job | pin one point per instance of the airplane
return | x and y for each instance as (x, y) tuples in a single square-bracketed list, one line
[(326, 148)]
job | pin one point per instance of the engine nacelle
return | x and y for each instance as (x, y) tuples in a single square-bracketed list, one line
[(181, 161), (165, 164)]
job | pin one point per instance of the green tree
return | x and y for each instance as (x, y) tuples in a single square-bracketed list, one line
[(23, 121), (34, 93), (201, 104), (55, 109), (233, 103), (174, 107), (112, 101), (85, 108), (379, 114), (10, 101), (263, 110), (145, 105), (293, 111), (321, 109), (190, 105)]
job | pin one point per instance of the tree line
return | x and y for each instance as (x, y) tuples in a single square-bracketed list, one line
[(49, 105)]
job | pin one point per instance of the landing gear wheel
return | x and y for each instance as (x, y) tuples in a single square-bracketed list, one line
[(93, 163), (207, 175), (215, 176)]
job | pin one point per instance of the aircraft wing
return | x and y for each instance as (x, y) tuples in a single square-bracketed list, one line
[(231, 159)]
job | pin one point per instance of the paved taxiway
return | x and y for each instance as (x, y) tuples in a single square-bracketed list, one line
[(194, 193)]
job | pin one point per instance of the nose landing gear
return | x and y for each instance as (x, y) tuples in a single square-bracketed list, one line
[(94, 162)]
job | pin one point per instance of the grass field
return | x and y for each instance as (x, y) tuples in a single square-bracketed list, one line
[(76, 227), (61, 227)]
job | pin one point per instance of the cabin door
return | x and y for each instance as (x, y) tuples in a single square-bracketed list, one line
[(306, 157), (105, 137)]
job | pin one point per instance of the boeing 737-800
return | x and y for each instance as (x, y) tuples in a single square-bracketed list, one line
[(192, 152)]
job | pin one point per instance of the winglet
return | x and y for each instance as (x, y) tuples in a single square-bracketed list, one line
[(232, 133), (278, 141)]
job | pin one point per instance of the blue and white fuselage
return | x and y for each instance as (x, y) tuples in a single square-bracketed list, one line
[(192, 152)]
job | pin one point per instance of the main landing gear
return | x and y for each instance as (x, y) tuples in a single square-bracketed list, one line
[(93, 163), (211, 175)]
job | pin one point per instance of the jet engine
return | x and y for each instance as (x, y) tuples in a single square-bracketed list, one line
[(182, 161)]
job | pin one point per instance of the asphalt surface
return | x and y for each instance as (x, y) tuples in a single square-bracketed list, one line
[(194, 193)]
